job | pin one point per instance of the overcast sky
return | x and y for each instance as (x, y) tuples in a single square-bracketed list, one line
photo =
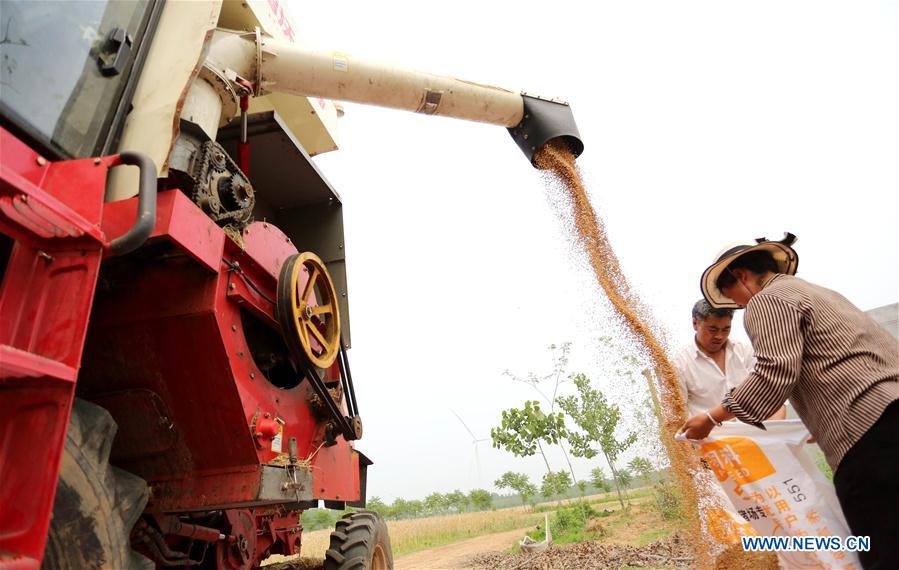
[(705, 123)]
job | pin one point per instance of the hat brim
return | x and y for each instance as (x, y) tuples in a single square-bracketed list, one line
[(786, 258)]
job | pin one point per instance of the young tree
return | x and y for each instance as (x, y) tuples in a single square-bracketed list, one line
[(522, 431), (625, 478), (554, 378), (318, 518), (457, 500), (642, 466), (377, 505), (480, 499), (519, 483), (415, 508), (555, 484), (435, 503), (598, 422), (598, 479), (400, 508)]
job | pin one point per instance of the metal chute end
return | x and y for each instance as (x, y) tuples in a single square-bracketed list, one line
[(545, 120)]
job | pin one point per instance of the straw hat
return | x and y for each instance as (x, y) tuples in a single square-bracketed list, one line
[(786, 258)]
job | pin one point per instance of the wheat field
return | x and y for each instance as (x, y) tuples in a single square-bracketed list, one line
[(412, 535)]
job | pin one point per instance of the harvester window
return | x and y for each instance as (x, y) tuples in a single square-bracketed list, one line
[(59, 76)]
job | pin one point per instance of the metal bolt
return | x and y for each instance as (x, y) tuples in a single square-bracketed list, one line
[(232, 286), (45, 256), (41, 160), (97, 161), (259, 434), (252, 375), (234, 327), (525, 137), (267, 415), (240, 354)]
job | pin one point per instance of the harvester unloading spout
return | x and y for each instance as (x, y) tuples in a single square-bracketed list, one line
[(273, 65)]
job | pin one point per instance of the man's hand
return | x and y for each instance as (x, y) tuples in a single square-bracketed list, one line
[(697, 427)]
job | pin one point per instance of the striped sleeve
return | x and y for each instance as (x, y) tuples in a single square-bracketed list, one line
[(776, 329)]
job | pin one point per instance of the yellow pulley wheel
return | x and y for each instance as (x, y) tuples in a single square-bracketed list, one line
[(308, 310)]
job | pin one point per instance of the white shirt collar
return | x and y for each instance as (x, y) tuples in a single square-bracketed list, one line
[(701, 354)]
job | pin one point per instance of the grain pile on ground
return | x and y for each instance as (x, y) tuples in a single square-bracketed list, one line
[(298, 564), (671, 552)]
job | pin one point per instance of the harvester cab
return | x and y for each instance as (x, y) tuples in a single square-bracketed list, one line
[(174, 336)]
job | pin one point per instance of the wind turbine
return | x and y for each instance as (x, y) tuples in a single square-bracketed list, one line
[(474, 441)]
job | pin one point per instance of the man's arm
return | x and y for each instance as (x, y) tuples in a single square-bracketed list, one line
[(700, 425)]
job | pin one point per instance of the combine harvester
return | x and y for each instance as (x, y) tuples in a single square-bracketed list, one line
[(174, 382)]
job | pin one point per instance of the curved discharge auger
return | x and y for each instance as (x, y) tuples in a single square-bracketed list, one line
[(270, 65)]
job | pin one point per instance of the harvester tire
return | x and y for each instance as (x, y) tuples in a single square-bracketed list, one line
[(360, 542), (96, 504)]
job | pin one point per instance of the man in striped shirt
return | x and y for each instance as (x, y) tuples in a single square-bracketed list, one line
[(837, 366)]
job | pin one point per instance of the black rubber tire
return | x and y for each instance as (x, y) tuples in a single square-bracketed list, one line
[(354, 541), (96, 504)]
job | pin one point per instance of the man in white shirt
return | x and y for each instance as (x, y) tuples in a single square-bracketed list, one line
[(711, 365)]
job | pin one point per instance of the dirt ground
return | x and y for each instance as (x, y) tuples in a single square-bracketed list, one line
[(457, 556)]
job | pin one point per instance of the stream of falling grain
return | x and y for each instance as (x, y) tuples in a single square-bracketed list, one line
[(557, 159)]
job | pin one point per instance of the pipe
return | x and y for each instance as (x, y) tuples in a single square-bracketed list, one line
[(298, 70), (243, 146), (273, 65)]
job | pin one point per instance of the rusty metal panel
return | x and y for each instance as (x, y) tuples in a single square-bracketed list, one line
[(272, 486)]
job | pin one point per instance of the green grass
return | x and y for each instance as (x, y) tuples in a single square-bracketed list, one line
[(654, 535), (821, 462), (613, 497), (569, 523), (622, 520)]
